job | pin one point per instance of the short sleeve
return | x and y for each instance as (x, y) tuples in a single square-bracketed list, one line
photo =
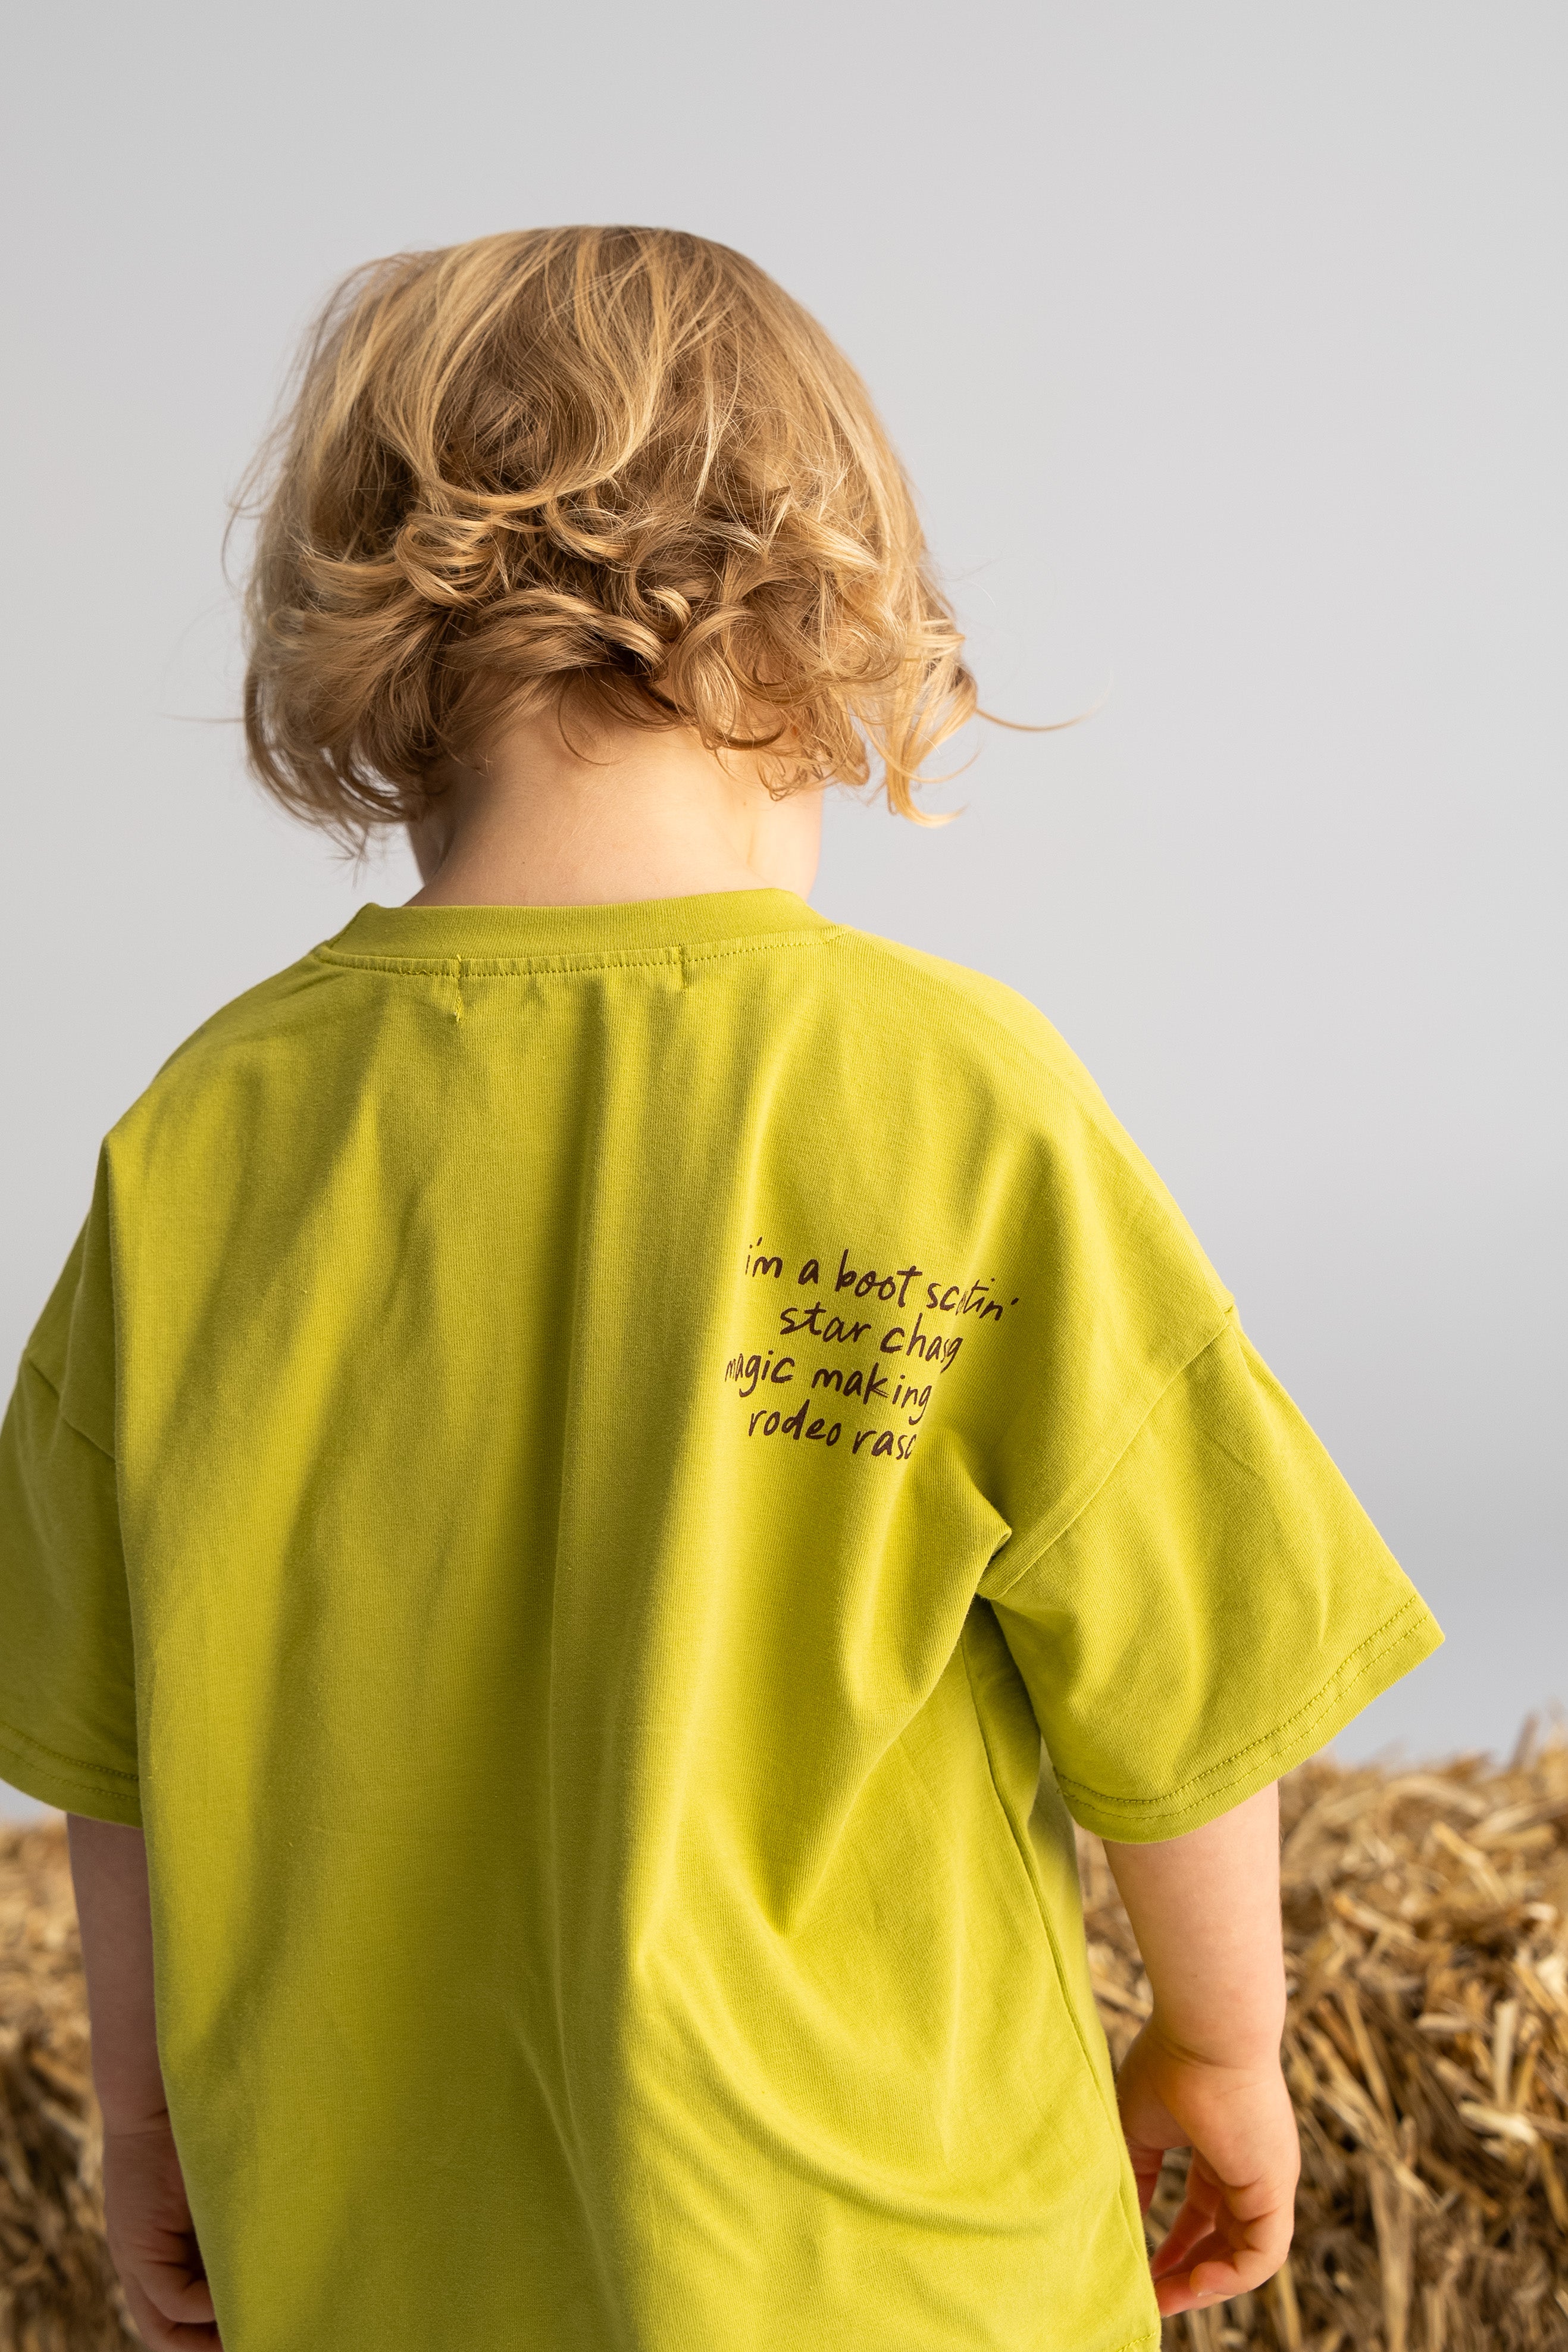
[(67, 1689), (1219, 1610)]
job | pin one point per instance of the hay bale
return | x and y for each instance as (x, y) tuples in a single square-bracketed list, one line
[(1427, 2049), (58, 2288)]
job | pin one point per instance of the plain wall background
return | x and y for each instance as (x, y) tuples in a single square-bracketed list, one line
[(1225, 346)]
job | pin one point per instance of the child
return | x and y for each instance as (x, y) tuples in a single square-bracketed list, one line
[(595, 1420)]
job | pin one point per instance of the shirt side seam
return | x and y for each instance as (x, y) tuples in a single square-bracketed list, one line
[(1042, 1907)]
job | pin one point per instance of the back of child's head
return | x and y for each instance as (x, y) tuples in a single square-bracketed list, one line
[(617, 470)]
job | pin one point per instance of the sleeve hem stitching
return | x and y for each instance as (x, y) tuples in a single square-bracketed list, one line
[(23, 1745), (1359, 1661)]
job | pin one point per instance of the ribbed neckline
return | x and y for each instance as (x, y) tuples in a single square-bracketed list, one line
[(438, 934)]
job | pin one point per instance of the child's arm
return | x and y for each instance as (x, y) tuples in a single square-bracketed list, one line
[(146, 2215), (1204, 2073)]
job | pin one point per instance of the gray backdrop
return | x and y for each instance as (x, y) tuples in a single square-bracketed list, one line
[(1226, 345)]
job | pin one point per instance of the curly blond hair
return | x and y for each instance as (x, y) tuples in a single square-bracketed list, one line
[(620, 464)]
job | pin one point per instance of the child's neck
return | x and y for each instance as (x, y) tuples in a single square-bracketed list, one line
[(647, 814)]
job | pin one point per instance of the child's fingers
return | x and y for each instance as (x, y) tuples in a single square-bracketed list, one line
[(1147, 2164), (175, 2291), (161, 2264), (1194, 2225), (1222, 2260), (152, 2242), (161, 2334), (1188, 2229), (1225, 2240), (1214, 2281)]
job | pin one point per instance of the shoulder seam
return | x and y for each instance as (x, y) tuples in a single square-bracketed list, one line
[(1116, 1460)]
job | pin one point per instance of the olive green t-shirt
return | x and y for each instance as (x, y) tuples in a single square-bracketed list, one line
[(576, 1455)]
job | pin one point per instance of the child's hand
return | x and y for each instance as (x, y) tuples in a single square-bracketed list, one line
[(152, 2243), (1233, 2228)]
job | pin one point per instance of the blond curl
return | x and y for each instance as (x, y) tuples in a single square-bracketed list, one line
[(616, 464)]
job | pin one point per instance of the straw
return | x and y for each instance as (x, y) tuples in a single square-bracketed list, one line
[(58, 2288)]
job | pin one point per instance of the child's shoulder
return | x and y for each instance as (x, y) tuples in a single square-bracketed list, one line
[(1020, 1078), (992, 1026), (260, 1018)]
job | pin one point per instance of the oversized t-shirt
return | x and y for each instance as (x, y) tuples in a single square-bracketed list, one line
[(577, 1454)]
